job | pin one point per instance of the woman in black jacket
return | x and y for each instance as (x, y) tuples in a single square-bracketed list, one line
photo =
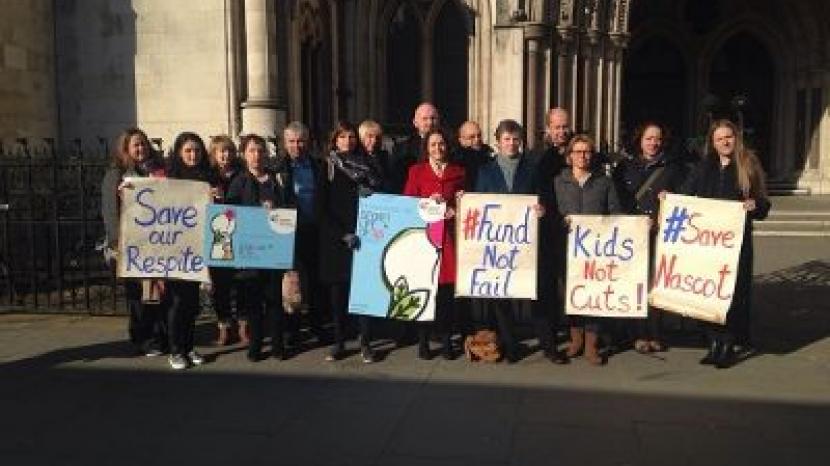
[(225, 161), (188, 160), (581, 190), (133, 156), (730, 171), (260, 289), (348, 174), (639, 180)]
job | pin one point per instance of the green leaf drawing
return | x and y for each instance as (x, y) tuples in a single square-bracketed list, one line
[(399, 289), (410, 306)]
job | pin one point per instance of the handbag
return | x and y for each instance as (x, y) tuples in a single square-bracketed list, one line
[(292, 293), (482, 346)]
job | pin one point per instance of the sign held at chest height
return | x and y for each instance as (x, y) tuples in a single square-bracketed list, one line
[(698, 248), (162, 224), (607, 266), (497, 238)]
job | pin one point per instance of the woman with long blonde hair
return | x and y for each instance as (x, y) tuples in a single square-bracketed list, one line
[(731, 171)]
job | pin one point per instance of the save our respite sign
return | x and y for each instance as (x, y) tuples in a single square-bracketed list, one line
[(698, 248), (497, 241), (162, 229), (607, 268)]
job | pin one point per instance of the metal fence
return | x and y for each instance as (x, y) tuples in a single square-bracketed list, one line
[(51, 229)]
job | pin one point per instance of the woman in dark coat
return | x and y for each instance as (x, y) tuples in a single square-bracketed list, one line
[(511, 171), (188, 160), (639, 180), (348, 174), (441, 180), (371, 142), (133, 157), (730, 171), (260, 289), (225, 161), (581, 190)]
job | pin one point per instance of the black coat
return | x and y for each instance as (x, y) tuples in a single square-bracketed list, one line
[(709, 180), (246, 190), (472, 160), (597, 196), (631, 173), (336, 212), (405, 154)]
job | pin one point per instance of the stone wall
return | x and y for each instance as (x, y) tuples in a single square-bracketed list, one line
[(155, 64), (27, 76)]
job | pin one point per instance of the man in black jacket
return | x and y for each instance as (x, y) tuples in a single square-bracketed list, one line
[(472, 153), (408, 151)]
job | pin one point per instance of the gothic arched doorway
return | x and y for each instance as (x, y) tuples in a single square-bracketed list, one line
[(655, 87), (315, 71), (403, 65), (742, 82), (450, 60)]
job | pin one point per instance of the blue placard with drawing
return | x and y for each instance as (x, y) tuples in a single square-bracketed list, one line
[(395, 269), (249, 237)]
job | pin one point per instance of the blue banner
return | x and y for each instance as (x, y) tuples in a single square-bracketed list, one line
[(395, 269), (249, 237)]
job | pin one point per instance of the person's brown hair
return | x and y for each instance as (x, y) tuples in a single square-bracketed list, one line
[(640, 131), (219, 143), (341, 127), (425, 141), (751, 176), (120, 152)]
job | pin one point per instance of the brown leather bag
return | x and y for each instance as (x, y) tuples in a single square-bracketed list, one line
[(482, 346)]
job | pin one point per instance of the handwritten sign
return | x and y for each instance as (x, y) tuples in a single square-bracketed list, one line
[(497, 246), (161, 229), (607, 266), (395, 270), (696, 262), (249, 237)]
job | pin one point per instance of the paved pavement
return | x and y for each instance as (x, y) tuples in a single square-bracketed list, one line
[(72, 393)]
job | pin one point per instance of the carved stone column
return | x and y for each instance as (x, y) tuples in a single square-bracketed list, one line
[(260, 114)]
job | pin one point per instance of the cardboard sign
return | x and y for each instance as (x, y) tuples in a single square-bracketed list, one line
[(607, 266), (249, 237), (395, 269), (497, 246), (698, 248), (162, 222)]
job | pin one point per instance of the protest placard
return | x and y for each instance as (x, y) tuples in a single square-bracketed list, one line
[(161, 235), (249, 237), (395, 269), (607, 263), (497, 246), (698, 246)]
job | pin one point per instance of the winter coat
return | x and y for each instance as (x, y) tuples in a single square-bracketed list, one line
[(405, 154), (472, 160), (597, 196), (110, 202), (423, 182), (631, 173)]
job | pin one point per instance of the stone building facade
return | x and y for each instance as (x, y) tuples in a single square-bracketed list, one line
[(238, 66)]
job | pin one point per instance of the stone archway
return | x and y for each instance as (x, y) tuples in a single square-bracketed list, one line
[(742, 84), (450, 56), (655, 84), (403, 63), (315, 69)]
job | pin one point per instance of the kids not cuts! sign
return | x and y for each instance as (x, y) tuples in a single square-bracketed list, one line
[(698, 247), (607, 266), (162, 223), (497, 249)]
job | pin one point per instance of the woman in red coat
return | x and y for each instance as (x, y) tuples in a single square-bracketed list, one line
[(438, 178)]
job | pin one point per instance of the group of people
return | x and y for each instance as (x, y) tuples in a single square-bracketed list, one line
[(431, 164)]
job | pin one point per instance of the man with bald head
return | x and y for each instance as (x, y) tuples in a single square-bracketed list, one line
[(472, 153), (408, 151)]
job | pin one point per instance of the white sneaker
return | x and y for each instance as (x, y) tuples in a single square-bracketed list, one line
[(153, 353), (177, 362), (196, 358)]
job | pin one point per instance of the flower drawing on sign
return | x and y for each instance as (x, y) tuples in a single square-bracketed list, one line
[(223, 225), (410, 266)]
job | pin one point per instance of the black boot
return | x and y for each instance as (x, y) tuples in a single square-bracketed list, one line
[(726, 356), (278, 351), (446, 348), (712, 354), (254, 353)]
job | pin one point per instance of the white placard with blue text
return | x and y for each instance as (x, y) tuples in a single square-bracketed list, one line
[(497, 242), (250, 237), (395, 269), (607, 260), (162, 229)]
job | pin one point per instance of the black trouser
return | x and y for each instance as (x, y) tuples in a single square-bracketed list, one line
[(339, 295), (183, 308), (737, 327), (262, 290), (146, 324), (504, 311), (223, 283), (445, 314), (307, 262)]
